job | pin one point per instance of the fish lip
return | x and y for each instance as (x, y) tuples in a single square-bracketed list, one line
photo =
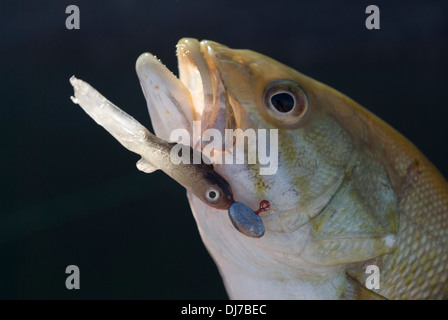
[(194, 73), (168, 100), (199, 72)]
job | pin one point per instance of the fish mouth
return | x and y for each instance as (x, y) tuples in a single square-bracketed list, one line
[(197, 95)]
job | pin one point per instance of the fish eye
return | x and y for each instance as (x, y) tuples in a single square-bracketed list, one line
[(212, 195), (285, 102)]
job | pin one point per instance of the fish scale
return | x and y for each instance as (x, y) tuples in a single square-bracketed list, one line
[(431, 266), (419, 187)]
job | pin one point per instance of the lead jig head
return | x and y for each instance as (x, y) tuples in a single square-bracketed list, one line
[(247, 221)]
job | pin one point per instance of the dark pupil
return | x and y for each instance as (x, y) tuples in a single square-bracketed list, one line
[(212, 194), (283, 102)]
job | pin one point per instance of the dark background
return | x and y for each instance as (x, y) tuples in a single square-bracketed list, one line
[(71, 194)]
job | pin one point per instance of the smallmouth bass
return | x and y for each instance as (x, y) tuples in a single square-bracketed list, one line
[(349, 191)]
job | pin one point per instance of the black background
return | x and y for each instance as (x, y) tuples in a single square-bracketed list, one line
[(70, 194)]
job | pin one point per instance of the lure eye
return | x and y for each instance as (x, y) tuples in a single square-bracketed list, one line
[(212, 195), (285, 102)]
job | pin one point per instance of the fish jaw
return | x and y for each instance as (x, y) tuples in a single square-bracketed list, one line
[(169, 102), (269, 267), (175, 103)]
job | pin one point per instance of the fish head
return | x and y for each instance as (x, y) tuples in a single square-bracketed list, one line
[(227, 89), (305, 156)]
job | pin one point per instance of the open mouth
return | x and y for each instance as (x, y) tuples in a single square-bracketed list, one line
[(197, 95)]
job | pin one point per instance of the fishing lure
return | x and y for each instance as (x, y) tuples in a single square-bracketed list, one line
[(201, 179)]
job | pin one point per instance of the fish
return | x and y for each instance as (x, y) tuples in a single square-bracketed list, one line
[(350, 193)]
